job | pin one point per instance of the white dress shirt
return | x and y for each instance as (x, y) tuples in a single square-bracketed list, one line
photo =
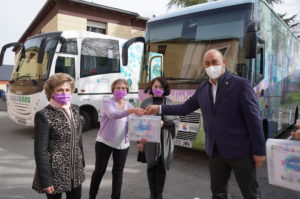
[(214, 88)]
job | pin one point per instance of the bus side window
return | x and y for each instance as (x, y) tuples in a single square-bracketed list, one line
[(259, 66), (99, 56), (69, 47), (65, 65), (156, 65)]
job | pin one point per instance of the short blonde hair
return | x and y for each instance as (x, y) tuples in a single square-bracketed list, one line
[(57, 80), (117, 81)]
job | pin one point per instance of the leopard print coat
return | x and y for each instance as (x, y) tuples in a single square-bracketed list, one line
[(58, 150)]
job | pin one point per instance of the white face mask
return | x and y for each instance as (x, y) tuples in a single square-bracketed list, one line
[(214, 72)]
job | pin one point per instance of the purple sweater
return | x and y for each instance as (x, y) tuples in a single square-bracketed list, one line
[(110, 120)]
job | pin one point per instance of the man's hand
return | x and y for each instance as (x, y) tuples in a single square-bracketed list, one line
[(49, 190), (259, 160), (137, 111), (296, 134), (152, 109)]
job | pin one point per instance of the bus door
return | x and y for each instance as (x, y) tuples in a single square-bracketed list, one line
[(155, 65), (65, 63)]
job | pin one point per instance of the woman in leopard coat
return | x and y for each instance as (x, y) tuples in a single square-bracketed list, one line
[(58, 142)]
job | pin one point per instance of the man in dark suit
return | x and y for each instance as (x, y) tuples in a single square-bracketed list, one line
[(234, 138)]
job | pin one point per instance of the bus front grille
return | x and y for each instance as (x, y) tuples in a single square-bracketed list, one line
[(20, 108), (183, 135), (191, 118)]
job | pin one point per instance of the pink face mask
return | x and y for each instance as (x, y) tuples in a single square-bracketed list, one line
[(62, 98), (119, 94), (157, 92)]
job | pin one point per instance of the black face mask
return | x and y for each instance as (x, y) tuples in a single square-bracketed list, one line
[(158, 100)]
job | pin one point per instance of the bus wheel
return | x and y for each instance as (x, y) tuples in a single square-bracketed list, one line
[(85, 120)]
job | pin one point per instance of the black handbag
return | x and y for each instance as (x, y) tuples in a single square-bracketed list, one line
[(141, 157)]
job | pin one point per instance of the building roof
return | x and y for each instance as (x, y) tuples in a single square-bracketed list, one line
[(110, 8), (5, 72), (50, 4)]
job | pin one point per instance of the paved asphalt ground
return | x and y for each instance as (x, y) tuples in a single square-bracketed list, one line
[(187, 179)]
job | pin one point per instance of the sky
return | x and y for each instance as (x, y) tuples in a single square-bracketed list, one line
[(16, 15)]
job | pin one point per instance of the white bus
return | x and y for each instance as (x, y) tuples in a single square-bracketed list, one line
[(93, 60)]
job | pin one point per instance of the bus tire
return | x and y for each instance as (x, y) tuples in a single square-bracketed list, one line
[(85, 120)]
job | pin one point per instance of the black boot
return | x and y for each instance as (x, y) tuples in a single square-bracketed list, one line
[(152, 194)]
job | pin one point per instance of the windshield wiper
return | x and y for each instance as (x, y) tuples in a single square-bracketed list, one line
[(186, 80), (178, 78), (33, 80), (23, 76)]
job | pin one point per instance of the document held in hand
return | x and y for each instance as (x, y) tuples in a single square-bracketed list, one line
[(147, 127), (284, 163)]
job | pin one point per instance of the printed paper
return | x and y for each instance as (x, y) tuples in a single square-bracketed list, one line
[(283, 158), (147, 127)]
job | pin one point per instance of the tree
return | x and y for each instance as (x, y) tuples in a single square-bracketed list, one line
[(292, 23), (272, 2), (184, 3)]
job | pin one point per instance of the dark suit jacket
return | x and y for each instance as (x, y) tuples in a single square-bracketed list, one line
[(233, 124)]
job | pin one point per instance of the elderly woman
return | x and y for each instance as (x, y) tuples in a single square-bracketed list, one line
[(159, 156), (58, 142), (112, 138)]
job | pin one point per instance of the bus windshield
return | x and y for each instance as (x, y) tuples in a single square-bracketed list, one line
[(183, 61), (176, 45), (224, 23), (27, 67)]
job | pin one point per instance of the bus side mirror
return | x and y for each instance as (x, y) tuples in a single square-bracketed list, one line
[(44, 44), (15, 44), (251, 40), (127, 45), (42, 50)]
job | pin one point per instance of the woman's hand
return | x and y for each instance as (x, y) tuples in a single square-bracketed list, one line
[(152, 109), (140, 146), (161, 123), (49, 190), (137, 111), (296, 134)]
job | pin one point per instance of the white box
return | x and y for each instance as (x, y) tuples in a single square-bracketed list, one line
[(146, 126), (283, 158)]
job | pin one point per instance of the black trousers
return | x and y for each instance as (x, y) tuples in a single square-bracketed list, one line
[(75, 193), (103, 153), (245, 174), (156, 179)]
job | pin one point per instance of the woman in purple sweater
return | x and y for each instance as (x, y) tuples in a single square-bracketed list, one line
[(112, 138)]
